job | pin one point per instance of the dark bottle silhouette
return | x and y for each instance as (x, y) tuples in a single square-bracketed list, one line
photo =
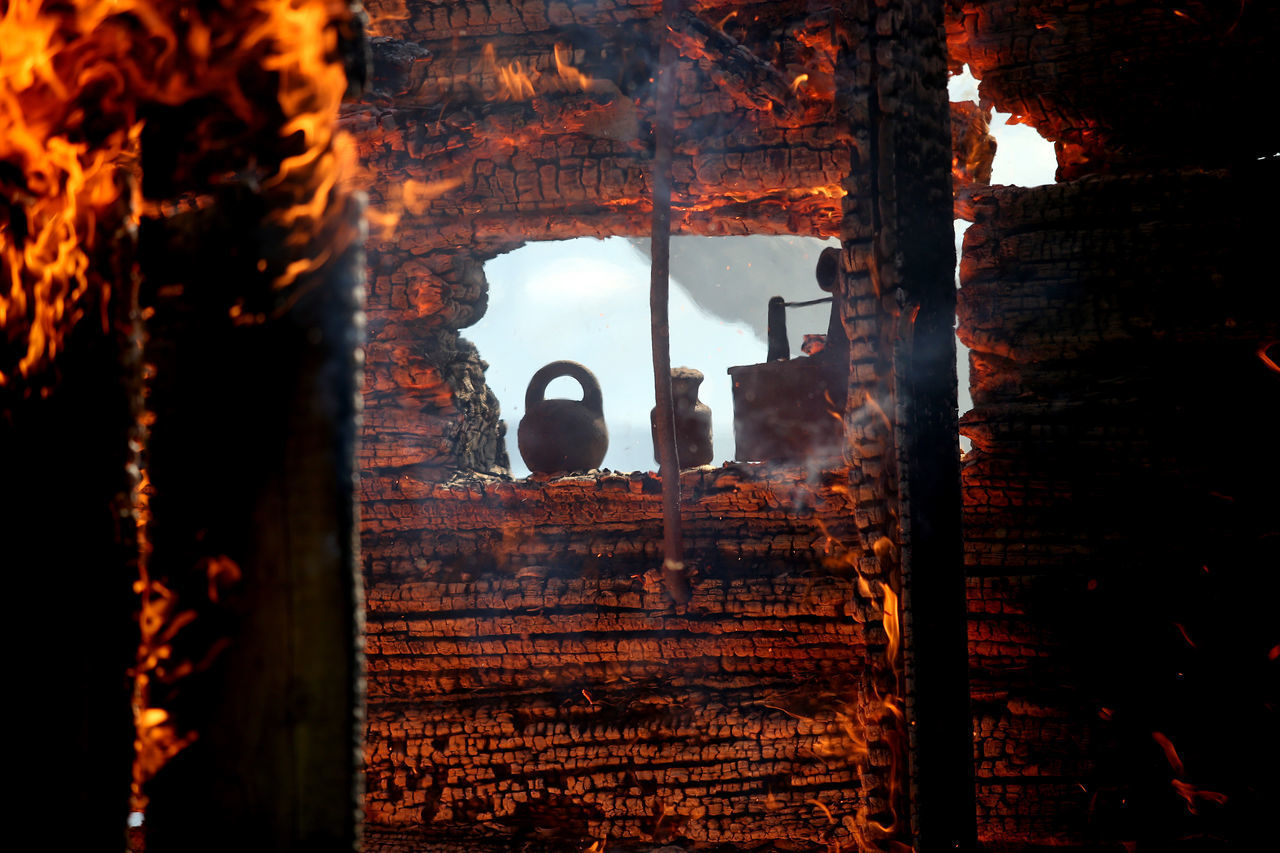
[(692, 417)]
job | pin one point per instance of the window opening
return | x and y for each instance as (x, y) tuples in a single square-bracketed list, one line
[(587, 300)]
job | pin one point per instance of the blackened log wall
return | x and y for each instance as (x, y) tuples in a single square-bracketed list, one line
[(531, 681), (1119, 508)]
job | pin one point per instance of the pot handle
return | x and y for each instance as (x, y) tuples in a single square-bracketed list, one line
[(591, 396)]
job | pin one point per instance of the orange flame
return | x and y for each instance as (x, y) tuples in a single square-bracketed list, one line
[(892, 623), (873, 710), (570, 75), (830, 191), (800, 80), (516, 83), (67, 63), (142, 51), (49, 216)]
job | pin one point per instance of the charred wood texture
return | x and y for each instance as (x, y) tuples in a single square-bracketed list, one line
[(913, 274), (254, 532), (1121, 486), (1120, 482), (1122, 86), (532, 683), (252, 282)]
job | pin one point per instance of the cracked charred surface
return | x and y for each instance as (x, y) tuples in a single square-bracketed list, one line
[(1115, 496), (1120, 488), (530, 682), (1126, 85)]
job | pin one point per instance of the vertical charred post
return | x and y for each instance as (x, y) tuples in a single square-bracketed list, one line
[(253, 268), (68, 453), (252, 463), (912, 275)]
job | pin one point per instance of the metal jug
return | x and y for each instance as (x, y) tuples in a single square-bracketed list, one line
[(559, 434)]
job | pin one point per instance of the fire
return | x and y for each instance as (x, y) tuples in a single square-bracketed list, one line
[(877, 708), (891, 622), (570, 75), (831, 191), (800, 80), (58, 57), (75, 78), (61, 185), (516, 83)]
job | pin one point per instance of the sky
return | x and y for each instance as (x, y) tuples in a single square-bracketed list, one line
[(587, 300)]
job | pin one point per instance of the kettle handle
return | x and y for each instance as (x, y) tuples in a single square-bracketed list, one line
[(591, 397)]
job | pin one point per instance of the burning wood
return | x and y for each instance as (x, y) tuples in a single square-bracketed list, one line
[(124, 117)]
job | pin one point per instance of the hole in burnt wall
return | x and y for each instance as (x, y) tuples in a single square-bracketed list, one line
[(1023, 158), (587, 300)]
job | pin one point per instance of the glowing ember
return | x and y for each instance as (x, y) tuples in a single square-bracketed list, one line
[(1184, 789), (1264, 354)]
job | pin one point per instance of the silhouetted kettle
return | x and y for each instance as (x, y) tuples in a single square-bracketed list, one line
[(559, 434)]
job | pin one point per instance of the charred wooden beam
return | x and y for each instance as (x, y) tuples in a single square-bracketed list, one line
[(69, 437), (911, 268), (254, 288), (751, 82), (252, 462)]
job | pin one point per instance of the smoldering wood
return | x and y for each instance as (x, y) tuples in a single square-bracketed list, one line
[(912, 245), (252, 459), (531, 681), (68, 448), (1093, 438)]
